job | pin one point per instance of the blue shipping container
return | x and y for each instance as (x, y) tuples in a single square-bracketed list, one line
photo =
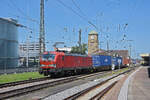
[(101, 60)]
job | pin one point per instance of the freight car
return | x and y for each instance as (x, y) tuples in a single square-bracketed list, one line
[(126, 62), (104, 62), (101, 62), (60, 63)]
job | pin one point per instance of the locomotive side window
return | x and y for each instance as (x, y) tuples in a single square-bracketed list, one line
[(63, 58)]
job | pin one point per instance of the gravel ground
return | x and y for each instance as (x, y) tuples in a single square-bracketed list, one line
[(99, 89), (64, 94)]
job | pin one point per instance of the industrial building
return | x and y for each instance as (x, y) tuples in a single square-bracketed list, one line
[(30, 52), (31, 48), (8, 43)]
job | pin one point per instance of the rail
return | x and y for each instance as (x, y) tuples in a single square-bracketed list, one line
[(101, 93)]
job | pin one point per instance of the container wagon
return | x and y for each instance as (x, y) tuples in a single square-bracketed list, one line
[(126, 62), (101, 62)]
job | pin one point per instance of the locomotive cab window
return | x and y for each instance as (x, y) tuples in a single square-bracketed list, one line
[(48, 56)]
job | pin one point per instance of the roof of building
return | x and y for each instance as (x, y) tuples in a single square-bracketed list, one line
[(65, 49), (9, 20), (93, 32), (122, 53), (145, 55)]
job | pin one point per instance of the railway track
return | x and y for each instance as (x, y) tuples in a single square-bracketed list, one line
[(99, 93), (97, 96), (7, 92), (4, 85), (102, 93)]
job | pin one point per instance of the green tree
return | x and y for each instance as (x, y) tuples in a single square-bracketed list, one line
[(76, 49)]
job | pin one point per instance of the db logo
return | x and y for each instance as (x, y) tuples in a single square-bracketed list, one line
[(106, 60)]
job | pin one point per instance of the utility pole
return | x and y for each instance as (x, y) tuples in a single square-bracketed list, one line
[(42, 30), (80, 40), (108, 45), (130, 47), (27, 48)]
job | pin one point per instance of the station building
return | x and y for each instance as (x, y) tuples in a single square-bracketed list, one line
[(145, 59)]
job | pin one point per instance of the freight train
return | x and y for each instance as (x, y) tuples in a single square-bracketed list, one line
[(55, 63)]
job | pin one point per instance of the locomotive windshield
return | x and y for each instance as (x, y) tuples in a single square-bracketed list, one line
[(48, 56)]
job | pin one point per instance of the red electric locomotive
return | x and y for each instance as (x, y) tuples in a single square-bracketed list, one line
[(59, 63)]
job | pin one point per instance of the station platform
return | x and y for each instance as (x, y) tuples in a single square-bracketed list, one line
[(135, 86), (139, 85)]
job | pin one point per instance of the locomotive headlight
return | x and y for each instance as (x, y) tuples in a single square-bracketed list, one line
[(49, 59), (42, 65)]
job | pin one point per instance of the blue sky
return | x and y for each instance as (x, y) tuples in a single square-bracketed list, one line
[(110, 16)]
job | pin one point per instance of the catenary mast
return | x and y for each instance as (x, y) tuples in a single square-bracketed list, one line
[(42, 30)]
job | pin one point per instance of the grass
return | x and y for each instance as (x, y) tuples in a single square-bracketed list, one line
[(114, 72), (19, 77)]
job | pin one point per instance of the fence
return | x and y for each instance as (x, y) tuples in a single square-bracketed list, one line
[(18, 70)]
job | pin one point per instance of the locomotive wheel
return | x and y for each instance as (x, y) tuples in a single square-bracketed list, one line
[(75, 72), (92, 70), (53, 75)]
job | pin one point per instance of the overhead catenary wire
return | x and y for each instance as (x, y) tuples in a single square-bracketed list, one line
[(82, 17), (21, 12), (12, 5), (78, 7)]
